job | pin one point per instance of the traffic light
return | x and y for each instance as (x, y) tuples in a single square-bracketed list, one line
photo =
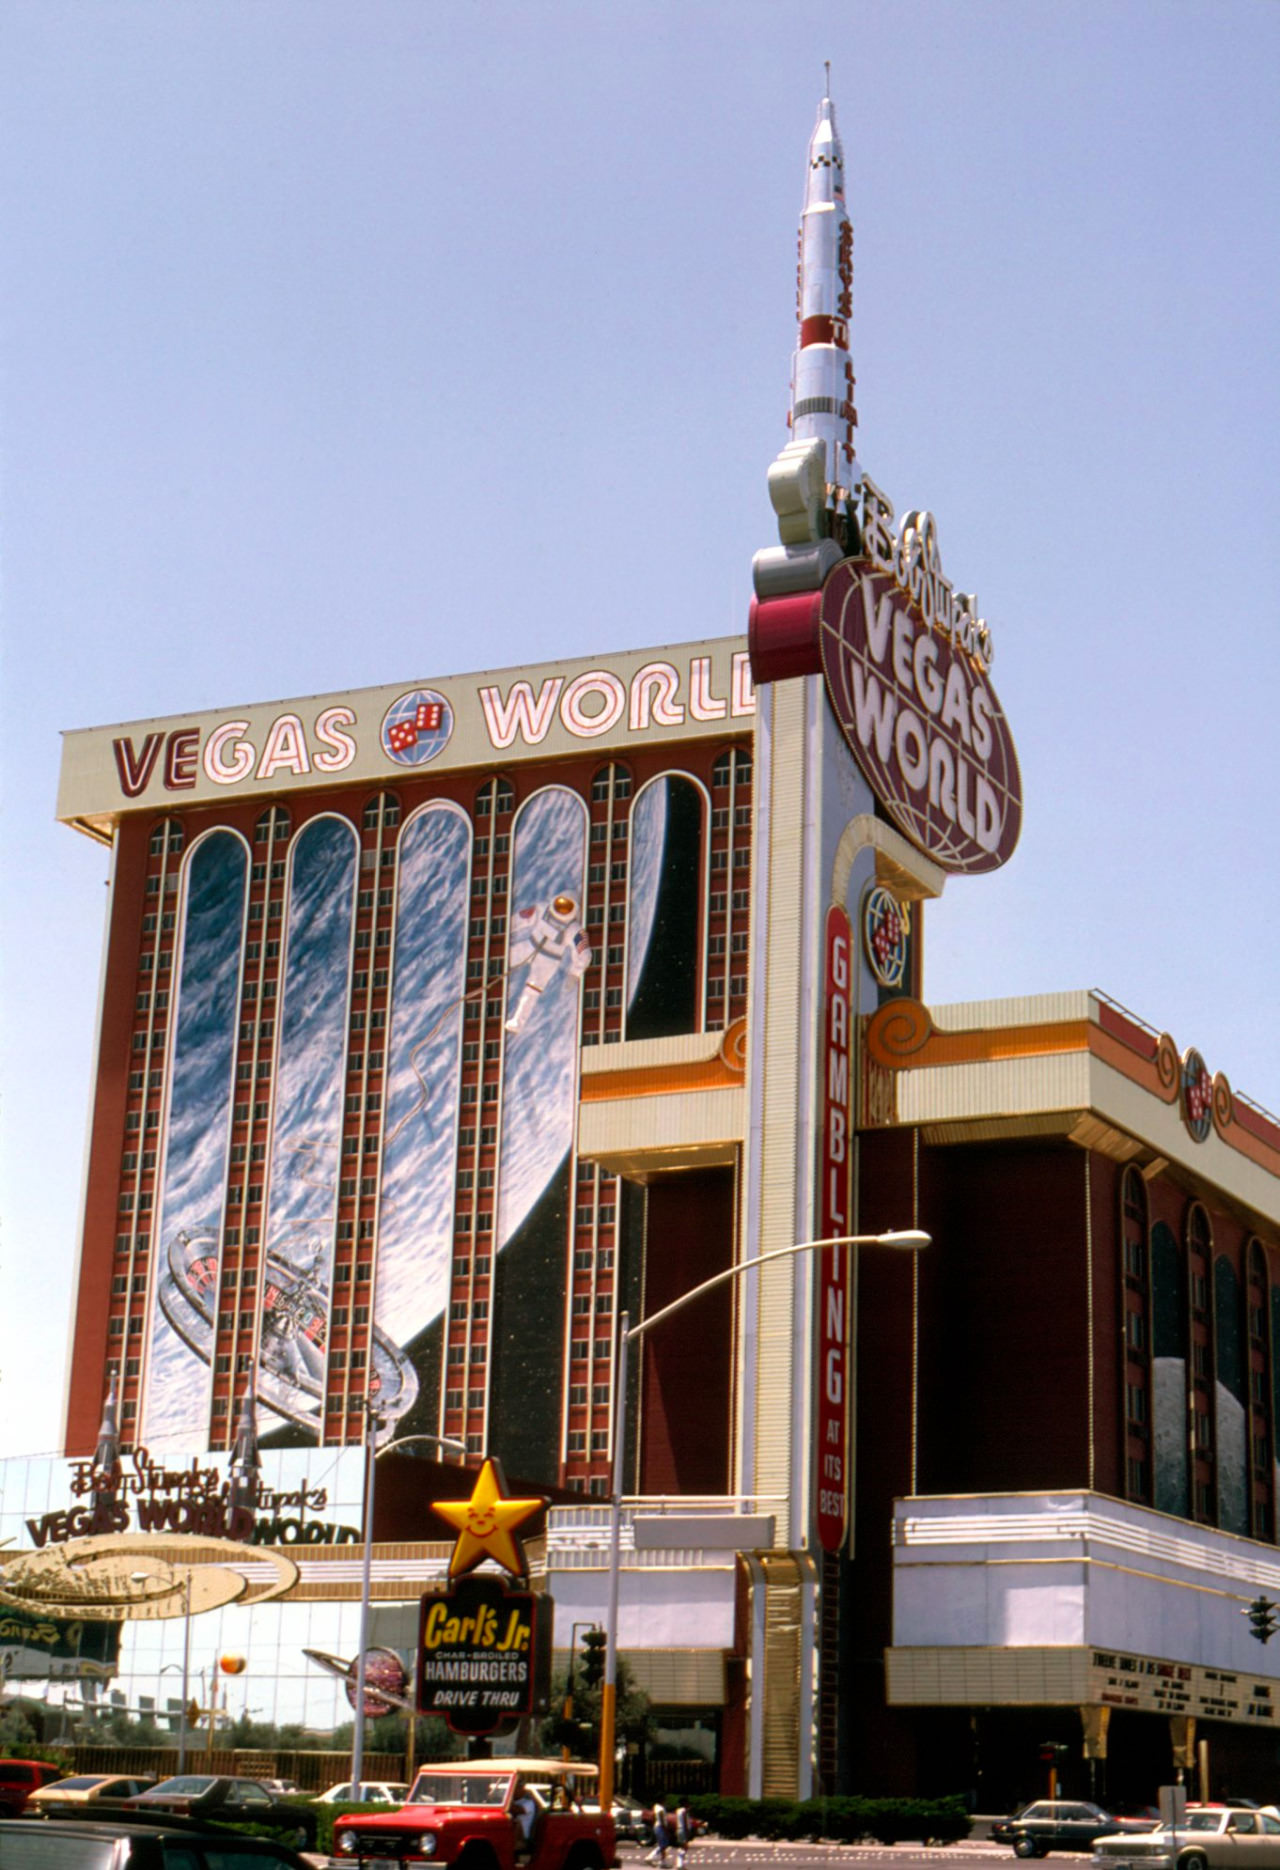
[(1262, 1619), (593, 1643), (575, 1737)]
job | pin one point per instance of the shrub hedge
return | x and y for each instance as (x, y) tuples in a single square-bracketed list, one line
[(841, 1821)]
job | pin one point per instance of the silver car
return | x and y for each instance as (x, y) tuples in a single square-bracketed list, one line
[(1210, 1837)]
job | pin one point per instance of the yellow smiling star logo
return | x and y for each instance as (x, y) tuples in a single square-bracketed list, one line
[(486, 1523)]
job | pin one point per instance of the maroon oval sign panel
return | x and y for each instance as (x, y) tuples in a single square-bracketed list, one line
[(923, 722)]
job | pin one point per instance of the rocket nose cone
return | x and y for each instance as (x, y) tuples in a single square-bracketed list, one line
[(826, 157)]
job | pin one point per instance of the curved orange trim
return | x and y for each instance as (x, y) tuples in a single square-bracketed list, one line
[(901, 1035), (704, 1074)]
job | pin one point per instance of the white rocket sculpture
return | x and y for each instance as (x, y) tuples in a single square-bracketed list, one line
[(813, 480), (106, 1456), (246, 1463)]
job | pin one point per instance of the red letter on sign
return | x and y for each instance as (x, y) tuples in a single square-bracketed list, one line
[(135, 769)]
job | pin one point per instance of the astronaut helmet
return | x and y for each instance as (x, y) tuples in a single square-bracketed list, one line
[(563, 908)]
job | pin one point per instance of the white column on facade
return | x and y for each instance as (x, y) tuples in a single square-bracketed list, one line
[(782, 1095)]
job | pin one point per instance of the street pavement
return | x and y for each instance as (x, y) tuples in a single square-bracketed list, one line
[(741, 1853)]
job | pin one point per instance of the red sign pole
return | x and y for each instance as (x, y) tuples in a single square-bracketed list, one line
[(831, 1450)]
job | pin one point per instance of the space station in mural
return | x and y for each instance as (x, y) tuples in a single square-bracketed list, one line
[(416, 1053)]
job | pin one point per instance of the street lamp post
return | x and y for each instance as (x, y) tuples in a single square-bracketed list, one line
[(146, 1577), (372, 1456), (909, 1240), (186, 1670)]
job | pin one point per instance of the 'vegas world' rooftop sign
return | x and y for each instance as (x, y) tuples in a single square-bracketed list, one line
[(685, 692)]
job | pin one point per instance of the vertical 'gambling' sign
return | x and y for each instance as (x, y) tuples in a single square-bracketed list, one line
[(831, 1442)]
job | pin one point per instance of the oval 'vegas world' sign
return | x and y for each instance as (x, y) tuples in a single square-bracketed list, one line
[(922, 720)]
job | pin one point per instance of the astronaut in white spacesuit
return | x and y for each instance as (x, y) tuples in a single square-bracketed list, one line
[(544, 936)]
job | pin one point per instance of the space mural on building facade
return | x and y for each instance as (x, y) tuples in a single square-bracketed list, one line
[(190, 1213), (531, 993), (306, 1141)]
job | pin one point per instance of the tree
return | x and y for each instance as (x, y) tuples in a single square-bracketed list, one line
[(633, 1721)]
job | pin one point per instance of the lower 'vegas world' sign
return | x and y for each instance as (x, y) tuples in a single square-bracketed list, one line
[(484, 1655)]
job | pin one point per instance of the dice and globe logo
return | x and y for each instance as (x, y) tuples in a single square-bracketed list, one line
[(417, 727)]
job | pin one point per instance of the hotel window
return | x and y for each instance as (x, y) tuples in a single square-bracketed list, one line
[(272, 825), (385, 807)]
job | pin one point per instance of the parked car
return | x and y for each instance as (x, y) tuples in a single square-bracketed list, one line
[(487, 1810), (123, 1844), (19, 1779), (284, 1788), (1057, 1825), (1210, 1837), (88, 1789), (632, 1822), (371, 1792), (218, 1798)]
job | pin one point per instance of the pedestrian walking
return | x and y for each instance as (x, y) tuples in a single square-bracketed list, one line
[(661, 1836), (684, 1834)]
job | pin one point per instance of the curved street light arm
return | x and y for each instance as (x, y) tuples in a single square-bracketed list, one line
[(910, 1239)]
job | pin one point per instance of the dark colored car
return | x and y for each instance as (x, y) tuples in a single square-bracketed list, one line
[(121, 1844), (1057, 1825), (19, 1779), (222, 1800)]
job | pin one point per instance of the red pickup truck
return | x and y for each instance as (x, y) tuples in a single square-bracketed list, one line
[(505, 1814), (19, 1779)]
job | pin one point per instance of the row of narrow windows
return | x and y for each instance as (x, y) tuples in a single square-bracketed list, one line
[(496, 798), (1200, 1340), (381, 815)]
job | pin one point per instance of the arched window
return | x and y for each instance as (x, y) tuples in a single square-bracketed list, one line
[(1230, 1396), (1136, 1336), (273, 827), (611, 782), (1169, 1375), (1261, 1435), (733, 766), (495, 799), (1199, 1238), (383, 810), (167, 836)]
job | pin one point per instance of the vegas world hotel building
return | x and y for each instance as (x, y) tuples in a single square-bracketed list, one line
[(442, 1023)]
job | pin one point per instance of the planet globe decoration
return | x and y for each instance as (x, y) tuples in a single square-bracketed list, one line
[(383, 1670), (232, 1665)]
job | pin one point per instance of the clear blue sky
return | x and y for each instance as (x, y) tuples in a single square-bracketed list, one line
[(351, 343)]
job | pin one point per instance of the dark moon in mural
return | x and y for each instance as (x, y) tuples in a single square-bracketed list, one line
[(663, 973)]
